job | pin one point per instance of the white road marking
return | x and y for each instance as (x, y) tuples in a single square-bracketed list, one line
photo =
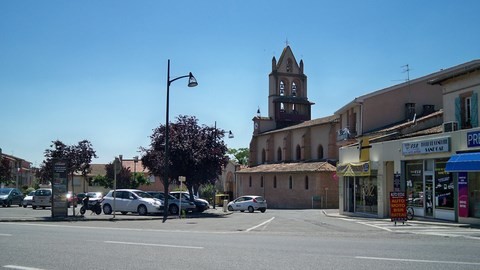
[(152, 245), (20, 267), (414, 260), (375, 226), (259, 225), (5, 234)]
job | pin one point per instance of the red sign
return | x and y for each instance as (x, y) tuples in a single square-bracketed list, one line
[(398, 206)]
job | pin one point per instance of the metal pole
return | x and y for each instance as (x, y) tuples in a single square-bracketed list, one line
[(165, 178), (216, 178)]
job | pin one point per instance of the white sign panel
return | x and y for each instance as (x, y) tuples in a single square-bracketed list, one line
[(436, 145)]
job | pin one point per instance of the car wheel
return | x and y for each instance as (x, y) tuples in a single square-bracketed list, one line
[(82, 210), (173, 209), (9, 203), (142, 210), (24, 206), (230, 208), (263, 210), (250, 209), (124, 213), (107, 209), (34, 207)]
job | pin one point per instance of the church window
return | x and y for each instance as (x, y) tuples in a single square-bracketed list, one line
[(306, 182), (282, 88), (299, 152), (294, 89), (261, 181), (320, 152), (279, 154), (289, 65), (264, 156), (275, 181), (250, 181), (290, 183)]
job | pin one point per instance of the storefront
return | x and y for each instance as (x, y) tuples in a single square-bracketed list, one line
[(360, 187), (465, 165)]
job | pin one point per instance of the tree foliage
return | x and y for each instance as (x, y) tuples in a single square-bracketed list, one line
[(5, 172), (239, 155), (196, 152), (77, 157)]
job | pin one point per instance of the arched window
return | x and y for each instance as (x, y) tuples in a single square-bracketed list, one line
[(282, 88), (261, 181), (250, 181), (264, 156), (282, 107), (275, 181), (299, 152), (306, 182), (279, 154), (294, 89), (290, 183), (320, 151)]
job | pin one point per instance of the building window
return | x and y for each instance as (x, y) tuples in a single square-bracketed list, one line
[(466, 110), (299, 152), (289, 65), (250, 181), (320, 151), (279, 154), (306, 182), (275, 181), (282, 88), (261, 181), (264, 156), (414, 178), (444, 186), (294, 89), (290, 183)]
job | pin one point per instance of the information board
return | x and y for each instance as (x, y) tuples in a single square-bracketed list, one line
[(59, 189), (398, 206)]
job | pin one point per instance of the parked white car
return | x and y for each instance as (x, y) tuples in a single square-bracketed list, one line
[(28, 199), (248, 203), (131, 200)]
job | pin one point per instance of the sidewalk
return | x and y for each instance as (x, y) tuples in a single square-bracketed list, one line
[(89, 216), (419, 220)]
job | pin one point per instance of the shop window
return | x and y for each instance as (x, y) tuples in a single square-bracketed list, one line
[(414, 183), (366, 195), (444, 186)]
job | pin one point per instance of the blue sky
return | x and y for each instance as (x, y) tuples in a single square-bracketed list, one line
[(96, 70)]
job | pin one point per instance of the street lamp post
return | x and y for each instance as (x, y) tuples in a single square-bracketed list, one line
[(230, 136), (192, 82), (135, 160)]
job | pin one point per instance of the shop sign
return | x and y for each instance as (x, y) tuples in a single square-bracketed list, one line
[(398, 206), (354, 169), (462, 194), (473, 139), (426, 146)]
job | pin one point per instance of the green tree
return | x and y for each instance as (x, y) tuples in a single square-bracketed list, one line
[(239, 155)]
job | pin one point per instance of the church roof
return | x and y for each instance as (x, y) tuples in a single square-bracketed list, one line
[(290, 168), (286, 50), (309, 123)]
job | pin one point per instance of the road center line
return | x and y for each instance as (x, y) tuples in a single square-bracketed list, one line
[(261, 224), (414, 260), (20, 267), (5, 234), (154, 245)]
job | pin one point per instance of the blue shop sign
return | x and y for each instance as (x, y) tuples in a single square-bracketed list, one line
[(473, 138)]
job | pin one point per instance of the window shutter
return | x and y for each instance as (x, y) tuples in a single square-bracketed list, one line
[(458, 112), (474, 110)]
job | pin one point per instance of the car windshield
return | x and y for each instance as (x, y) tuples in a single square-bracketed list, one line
[(4, 191), (31, 193), (142, 194), (93, 195)]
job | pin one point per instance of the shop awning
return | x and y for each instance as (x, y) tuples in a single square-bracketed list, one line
[(467, 162)]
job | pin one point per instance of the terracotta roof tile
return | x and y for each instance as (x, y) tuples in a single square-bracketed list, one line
[(290, 167)]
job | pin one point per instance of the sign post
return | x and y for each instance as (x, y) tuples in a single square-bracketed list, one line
[(59, 189), (398, 207)]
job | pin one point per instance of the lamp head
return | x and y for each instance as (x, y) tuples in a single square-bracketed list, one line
[(192, 82), (230, 134)]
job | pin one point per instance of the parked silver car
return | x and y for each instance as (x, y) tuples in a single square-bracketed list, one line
[(131, 200), (9, 196), (248, 203)]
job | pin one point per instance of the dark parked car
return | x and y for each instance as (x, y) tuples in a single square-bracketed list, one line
[(9, 196), (201, 204), (174, 203)]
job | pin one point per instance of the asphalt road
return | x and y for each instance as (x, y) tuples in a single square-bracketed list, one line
[(277, 239)]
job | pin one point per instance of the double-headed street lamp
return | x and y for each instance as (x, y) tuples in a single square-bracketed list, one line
[(192, 82)]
